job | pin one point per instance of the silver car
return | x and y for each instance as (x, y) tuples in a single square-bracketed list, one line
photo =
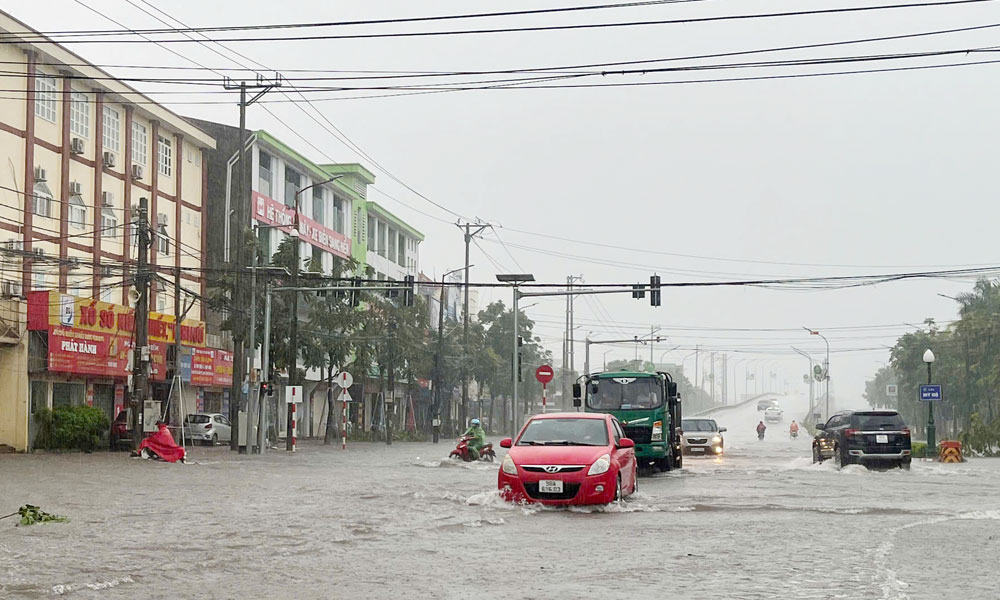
[(702, 436), (208, 427)]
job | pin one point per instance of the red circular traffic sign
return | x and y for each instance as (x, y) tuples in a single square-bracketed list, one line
[(544, 374)]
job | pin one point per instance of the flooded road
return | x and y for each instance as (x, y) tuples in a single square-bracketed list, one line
[(404, 521)]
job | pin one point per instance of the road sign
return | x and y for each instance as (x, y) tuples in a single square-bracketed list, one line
[(891, 390), (345, 396), (293, 394), (819, 373), (544, 374), (344, 379), (931, 392)]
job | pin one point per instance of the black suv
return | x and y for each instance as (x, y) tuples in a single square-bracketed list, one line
[(870, 437)]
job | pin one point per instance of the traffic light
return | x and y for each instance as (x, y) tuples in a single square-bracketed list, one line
[(638, 291), (267, 389), (409, 291), (654, 290), (356, 292)]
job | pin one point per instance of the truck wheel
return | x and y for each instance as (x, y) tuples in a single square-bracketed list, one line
[(678, 459), (663, 464)]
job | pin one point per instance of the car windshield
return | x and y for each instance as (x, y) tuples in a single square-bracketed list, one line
[(625, 393), (197, 419), (878, 421), (698, 425), (565, 432)]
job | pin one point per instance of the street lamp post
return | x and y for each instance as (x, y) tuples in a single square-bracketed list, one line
[(515, 279), (436, 422), (931, 443), (293, 332), (606, 358), (826, 369), (812, 380)]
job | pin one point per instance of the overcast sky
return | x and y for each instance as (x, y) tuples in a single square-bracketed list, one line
[(879, 173)]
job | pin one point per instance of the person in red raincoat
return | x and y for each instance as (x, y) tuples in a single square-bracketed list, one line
[(161, 445)]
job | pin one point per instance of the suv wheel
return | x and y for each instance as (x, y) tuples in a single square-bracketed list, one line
[(838, 457), (817, 457)]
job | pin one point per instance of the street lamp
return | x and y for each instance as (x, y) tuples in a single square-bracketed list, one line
[(515, 280), (931, 445), (293, 332), (668, 352), (436, 421), (826, 368)]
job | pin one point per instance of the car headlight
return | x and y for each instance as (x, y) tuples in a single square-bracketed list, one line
[(507, 466), (657, 432), (601, 465), (717, 439)]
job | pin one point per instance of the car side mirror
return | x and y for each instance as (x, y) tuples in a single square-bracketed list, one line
[(577, 391), (722, 429), (626, 443), (672, 389), (506, 443), (821, 426)]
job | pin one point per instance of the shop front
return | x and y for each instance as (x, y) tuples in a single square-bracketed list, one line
[(79, 353)]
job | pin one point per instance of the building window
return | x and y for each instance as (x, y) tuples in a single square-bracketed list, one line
[(112, 135), (383, 242), (401, 249), (77, 211), (140, 140), (338, 215), (161, 303), (317, 213), (109, 223), (108, 294), (42, 200), (79, 114), (264, 174), (45, 97), (39, 279), (293, 181), (371, 236), (163, 241), (316, 264), (164, 156), (391, 250)]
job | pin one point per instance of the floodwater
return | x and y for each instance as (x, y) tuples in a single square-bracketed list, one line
[(404, 521)]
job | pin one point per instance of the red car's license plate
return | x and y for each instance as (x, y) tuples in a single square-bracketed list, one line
[(550, 486)]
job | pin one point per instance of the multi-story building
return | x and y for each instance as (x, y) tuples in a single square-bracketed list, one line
[(81, 149), (393, 247)]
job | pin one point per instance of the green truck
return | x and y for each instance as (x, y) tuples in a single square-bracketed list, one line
[(648, 407)]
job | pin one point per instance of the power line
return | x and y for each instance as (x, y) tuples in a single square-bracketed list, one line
[(500, 30)]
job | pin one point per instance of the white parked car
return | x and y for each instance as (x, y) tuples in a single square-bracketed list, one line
[(774, 415)]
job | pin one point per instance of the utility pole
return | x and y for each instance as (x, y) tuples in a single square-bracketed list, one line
[(569, 357), (436, 423), (238, 242), (712, 376), (469, 236), (140, 352)]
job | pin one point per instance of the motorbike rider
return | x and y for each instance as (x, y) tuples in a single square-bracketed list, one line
[(761, 428), (478, 435), (793, 429)]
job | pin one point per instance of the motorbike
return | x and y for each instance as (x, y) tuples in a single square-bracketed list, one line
[(760, 434), (793, 434), (462, 451)]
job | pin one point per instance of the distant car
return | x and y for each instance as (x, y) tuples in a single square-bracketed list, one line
[(208, 427), (120, 435), (702, 436), (766, 404), (774, 415), (569, 458), (871, 438)]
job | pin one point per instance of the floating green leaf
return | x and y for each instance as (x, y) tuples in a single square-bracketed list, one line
[(31, 515)]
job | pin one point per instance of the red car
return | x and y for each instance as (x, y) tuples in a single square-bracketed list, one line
[(569, 458)]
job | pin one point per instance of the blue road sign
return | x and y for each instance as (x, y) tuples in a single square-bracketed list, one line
[(931, 392)]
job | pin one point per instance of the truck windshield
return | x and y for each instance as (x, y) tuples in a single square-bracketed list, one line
[(626, 393)]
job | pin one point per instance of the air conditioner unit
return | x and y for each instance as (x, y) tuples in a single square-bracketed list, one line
[(106, 271), (38, 251), (13, 245), (107, 199), (39, 174), (137, 172), (161, 220), (73, 262), (11, 289), (109, 160), (75, 188), (76, 146)]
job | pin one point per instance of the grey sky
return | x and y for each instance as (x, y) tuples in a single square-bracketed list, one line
[(891, 169)]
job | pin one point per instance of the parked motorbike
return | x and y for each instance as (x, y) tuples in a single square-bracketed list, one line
[(463, 452)]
